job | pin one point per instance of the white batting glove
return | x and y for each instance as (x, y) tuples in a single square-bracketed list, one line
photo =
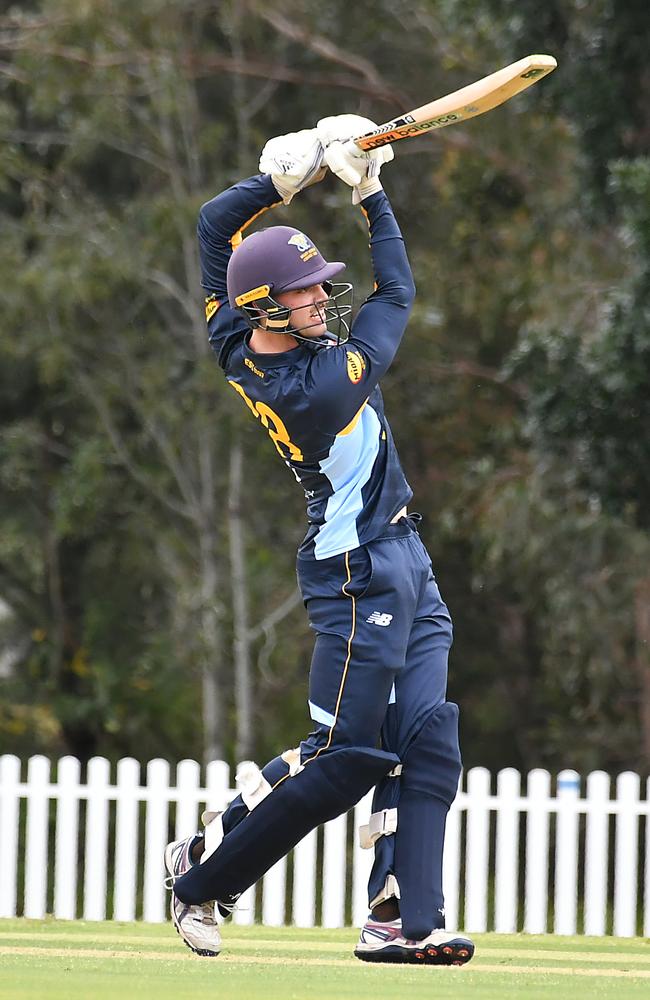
[(294, 161), (355, 167)]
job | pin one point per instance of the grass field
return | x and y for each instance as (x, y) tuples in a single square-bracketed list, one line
[(57, 960)]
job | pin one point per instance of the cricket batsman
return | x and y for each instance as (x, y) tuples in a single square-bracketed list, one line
[(280, 327)]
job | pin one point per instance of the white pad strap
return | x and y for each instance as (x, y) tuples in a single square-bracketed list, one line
[(395, 773), (390, 891), (292, 758), (213, 834), (253, 786), (381, 824)]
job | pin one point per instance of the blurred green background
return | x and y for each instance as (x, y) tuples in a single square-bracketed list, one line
[(147, 529)]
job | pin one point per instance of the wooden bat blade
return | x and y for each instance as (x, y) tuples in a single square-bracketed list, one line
[(468, 102)]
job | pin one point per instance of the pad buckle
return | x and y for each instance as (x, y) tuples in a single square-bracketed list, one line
[(253, 786), (380, 825)]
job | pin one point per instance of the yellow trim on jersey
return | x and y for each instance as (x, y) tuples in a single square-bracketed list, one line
[(237, 237), (353, 423)]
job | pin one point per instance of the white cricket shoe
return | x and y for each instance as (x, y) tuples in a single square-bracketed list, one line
[(196, 924), (382, 941)]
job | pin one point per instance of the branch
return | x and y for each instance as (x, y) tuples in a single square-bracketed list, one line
[(175, 291), (328, 50), (276, 616), (123, 453), (470, 369)]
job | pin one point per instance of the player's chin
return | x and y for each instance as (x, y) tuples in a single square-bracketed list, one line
[(316, 329)]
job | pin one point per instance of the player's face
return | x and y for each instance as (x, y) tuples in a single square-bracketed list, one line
[(307, 312)]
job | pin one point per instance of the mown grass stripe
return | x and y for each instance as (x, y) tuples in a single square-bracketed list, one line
[(513, 951), (95, 953)]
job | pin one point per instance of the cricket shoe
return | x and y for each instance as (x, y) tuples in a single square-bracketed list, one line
[(197, 923), (383, 942)]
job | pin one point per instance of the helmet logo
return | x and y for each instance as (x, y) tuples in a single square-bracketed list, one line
[(301, 241)]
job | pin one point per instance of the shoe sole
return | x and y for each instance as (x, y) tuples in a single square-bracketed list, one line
[(454, 952)]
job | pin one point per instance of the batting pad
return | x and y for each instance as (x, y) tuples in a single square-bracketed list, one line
[(327, 786), (412, 856), (429, 783)]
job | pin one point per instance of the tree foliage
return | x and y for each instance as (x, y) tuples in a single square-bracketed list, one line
[(519, 398)]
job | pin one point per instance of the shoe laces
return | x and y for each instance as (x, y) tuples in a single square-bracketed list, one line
[(226, 908), (207, 914)]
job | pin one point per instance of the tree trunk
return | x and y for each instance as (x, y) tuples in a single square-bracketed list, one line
[(642, 627), (239, 592), (211, 651)]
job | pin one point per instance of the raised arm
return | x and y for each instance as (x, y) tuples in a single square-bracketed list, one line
[(340, 383), (219, 230), (288, 164)]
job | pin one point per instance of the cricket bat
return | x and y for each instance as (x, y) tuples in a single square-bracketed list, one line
[(463, 104)]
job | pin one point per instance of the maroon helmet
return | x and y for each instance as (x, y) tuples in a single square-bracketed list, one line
[(282, 259)]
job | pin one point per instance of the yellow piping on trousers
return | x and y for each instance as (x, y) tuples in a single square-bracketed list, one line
[(345, 668)]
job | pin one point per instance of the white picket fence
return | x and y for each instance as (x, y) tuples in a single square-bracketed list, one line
[(536, 862)]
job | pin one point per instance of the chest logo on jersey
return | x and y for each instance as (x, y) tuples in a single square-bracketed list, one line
[(356, 366), (251, 365)]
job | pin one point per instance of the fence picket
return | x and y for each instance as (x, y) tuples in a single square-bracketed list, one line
[(97, 780), (596, 853), (304, 881), (188, 777), (539, 787), (274, 886), (67, 830), (156, 839), (245, 912), (334, 857), (126, 839), (646, 886), (217, 783), (361, 862), (451, 866), (9, 826), (626, 865), (566, 852), (478, 844), (507, 852), (38, 775)]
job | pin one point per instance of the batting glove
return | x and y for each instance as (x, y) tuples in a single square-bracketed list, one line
[(294, 161), (356, 167)]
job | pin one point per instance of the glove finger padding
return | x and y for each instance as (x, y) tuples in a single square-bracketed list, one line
[(293, 161), (346, 163), (352, 165)]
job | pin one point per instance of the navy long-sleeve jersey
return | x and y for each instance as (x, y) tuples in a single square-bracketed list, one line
[(323, 410)]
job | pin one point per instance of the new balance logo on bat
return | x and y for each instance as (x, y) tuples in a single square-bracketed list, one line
[(379, 618)]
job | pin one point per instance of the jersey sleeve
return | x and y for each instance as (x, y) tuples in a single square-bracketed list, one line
[(220, 225), (340, 379)]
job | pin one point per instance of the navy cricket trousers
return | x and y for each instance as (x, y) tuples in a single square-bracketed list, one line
[(383, 635)]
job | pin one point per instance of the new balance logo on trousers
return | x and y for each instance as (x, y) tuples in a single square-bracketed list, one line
[(379, 618)]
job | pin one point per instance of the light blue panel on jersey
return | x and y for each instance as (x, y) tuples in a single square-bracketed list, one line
[(320, 715), (348, 468)]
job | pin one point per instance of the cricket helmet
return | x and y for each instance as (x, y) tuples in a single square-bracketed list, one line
[(282, 259), (278, 259)]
